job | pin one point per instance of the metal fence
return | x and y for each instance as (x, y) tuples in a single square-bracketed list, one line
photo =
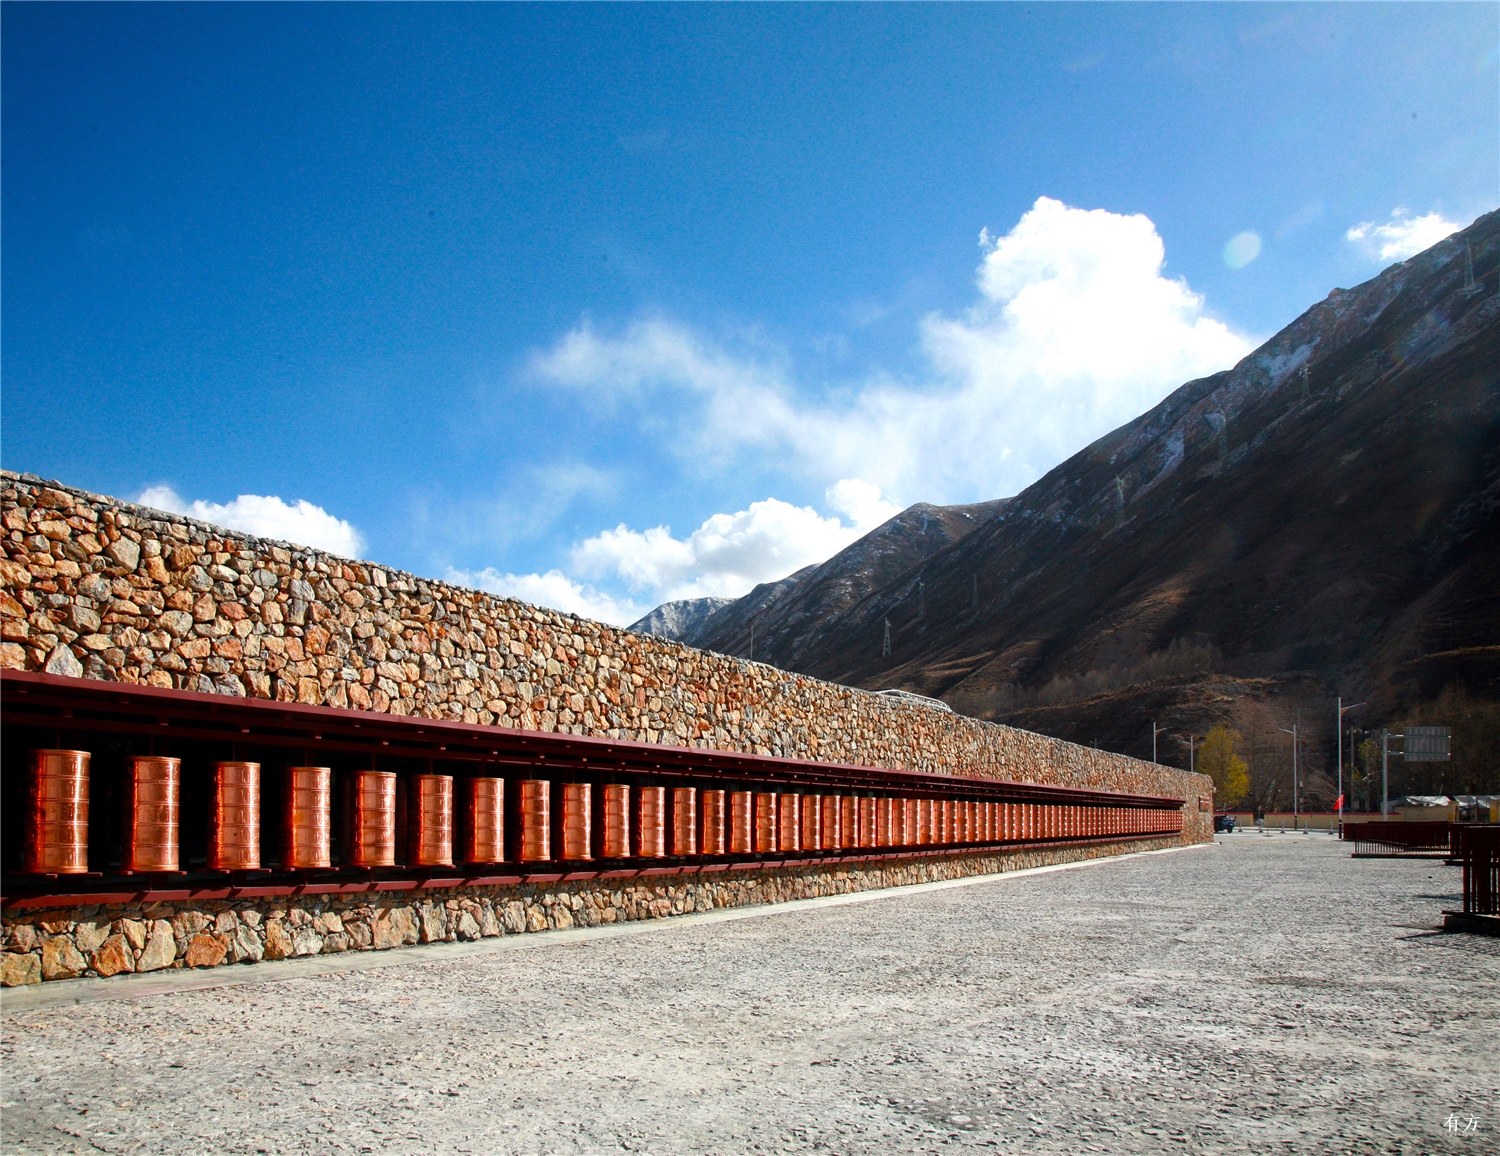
[(1423, 839)]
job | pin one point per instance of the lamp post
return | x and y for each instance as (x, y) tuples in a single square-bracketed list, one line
[(1296, 798), (1342, 711), (1155, 730)]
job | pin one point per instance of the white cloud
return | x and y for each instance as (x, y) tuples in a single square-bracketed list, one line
[(730, 553), (553, 589), (1402, 236), (266, 517), (1075, 330)]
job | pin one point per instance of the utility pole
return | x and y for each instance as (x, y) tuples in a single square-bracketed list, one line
[(1296, 797), (1190, 740), (1155, 730), (1342, 711)]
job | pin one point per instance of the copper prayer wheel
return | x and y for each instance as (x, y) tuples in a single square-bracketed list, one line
[(962, 815), (765, 822), (373, 829), (908, 822), (577, 820), (884, 824), (234, 823), (154, 783), (430, 809), (866, 821), (651, 819), (714, 842), (788, 825), (684, 820), (536, 820), (924, 822), (616, 821), (741, 823), (832, 839), (484, 834), (812, 822), (57, 816), (848, 822), (305, 833)]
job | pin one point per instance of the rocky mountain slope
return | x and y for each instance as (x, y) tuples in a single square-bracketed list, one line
[(1326, 514), (679, 620), (789, 616)]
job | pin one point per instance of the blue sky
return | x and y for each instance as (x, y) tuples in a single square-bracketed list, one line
[(604, 305)]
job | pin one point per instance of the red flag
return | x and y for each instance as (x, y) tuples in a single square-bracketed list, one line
[(1339, 805)]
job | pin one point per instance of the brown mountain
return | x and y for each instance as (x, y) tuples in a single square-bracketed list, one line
[(790, 615), (1322, 518)]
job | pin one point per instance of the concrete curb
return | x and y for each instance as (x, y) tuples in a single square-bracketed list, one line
[(143, 986)]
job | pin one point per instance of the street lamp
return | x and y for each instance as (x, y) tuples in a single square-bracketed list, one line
[(1190, 740), (1296, 801), (1155, 730), (1342, 710)]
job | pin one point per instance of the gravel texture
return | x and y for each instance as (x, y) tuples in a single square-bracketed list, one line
[(1265, 993)]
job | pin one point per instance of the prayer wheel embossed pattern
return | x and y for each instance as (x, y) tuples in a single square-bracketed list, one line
[(305, 830), (832, 840), (577, 820), (536, 820), (812, 822), (154, 786), (765, 823), (684, 821), (714, 842), (884, 823), (616, 821), (848, 822), (431, 809), (57, 816), (234, 822), (651, 820), (484, 837), (373, 825), (741, 823), (789, 823), (866, 821)]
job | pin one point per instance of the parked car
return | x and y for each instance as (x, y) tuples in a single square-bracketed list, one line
[(1223, 823)]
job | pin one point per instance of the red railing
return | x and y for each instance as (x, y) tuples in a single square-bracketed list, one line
[(1477, 847)]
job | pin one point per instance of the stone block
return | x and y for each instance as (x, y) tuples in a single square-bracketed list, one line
[(206, 950), (17, 969), (89, 934), (278, 941), (245, 945), (113, 956), (60, 959), (160, 950)]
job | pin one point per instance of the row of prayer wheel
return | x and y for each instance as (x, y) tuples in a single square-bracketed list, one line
[(629, 822)]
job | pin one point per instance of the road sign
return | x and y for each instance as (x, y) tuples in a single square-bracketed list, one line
[(1427, 744)]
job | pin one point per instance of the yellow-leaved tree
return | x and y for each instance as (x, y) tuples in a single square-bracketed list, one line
[(1219, 758)]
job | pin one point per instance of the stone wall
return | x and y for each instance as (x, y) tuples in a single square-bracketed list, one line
[(95, 588), (112, 939)]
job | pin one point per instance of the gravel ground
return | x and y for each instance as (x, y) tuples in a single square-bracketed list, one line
[(1263, 994)]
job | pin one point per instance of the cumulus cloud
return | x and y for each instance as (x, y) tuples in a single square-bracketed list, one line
[(1075, 330), (266, 517), (730, 553), (1402, 236), (553, 589)]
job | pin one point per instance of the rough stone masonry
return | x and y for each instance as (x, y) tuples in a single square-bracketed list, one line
[(95, 588)]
